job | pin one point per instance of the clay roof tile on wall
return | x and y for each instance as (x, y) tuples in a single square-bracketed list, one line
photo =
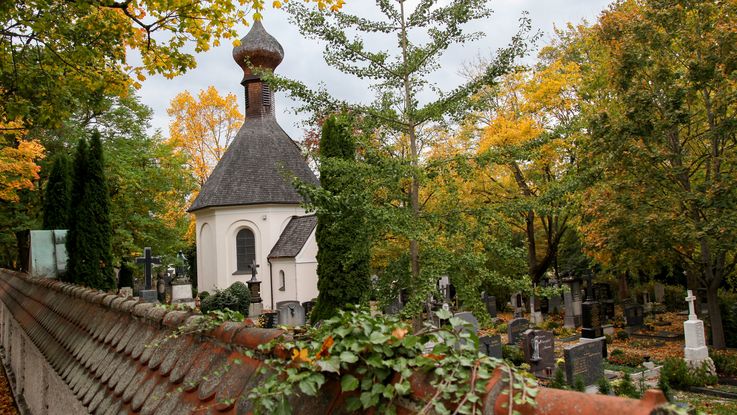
[(125, 359)]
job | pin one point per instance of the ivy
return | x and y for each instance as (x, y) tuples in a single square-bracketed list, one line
[(373, 358)]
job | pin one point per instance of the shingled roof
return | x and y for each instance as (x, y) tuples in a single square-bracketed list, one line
[(294, 237), (256, 169), (260, 163), (103, 347)]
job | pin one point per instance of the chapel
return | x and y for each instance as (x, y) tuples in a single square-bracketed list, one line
[(247, 212)]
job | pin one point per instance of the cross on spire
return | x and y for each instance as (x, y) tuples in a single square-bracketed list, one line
[(691, 310)]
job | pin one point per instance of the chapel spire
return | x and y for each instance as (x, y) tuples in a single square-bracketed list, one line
[(261, 50)]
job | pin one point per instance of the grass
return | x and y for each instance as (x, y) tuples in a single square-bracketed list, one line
[(622, 368), (707, 404)]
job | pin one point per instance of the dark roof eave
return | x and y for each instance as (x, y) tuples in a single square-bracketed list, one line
[(192, 210)]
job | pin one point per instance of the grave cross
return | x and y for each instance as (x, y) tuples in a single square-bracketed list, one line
[(147, 260), (691, 310)]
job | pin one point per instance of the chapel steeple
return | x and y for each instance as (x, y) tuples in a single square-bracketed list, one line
[(262, 51)]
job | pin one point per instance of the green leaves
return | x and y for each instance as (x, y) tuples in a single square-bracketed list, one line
[(375, 366)]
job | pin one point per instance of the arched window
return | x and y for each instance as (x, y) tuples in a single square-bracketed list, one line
[(245, 251), (282, 281)]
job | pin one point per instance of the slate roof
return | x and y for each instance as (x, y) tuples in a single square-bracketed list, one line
[(256, 169), (259, 47), (97, 344), (294, 237)]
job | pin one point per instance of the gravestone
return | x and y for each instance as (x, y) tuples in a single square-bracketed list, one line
[(394, 308), (554, 304), (491, 346), (574, 286), (659, 293), (291, 313), (182, 294), (308, 306), (469, 318), (569, 320), (148, 294), (634, 317), (583, 360), (518, 305), (270, 319), (490, 303), (695, 351), (539, 348), (536, 316), (515, 328), (591, 320), (603, 294)]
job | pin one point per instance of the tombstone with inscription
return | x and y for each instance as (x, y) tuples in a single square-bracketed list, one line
[(539, 348), (583, 360), (490, 303), (695, 352), (181, 293), (291, 313), (491, 346), (515, 328), (148, 294)]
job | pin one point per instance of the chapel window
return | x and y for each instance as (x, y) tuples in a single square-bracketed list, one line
[(282, 281), (245, 250)]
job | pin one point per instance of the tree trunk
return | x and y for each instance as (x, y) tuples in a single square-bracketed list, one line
[(715, 317), (624, 291)]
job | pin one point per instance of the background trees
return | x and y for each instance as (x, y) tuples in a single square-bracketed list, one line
[(203, 128), (57, 198)]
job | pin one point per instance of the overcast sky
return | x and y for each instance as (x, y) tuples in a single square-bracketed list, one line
[(303, 58)]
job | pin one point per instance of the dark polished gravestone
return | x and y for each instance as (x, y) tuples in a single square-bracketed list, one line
[(583, 360), (490, 303), (491, 346), (291, 313), (515, 328), (634, 317), (308, 306), (539, 348), (603, 294), (591, 320), (148, 294)]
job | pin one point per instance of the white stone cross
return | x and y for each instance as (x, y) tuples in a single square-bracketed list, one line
[(691, 311)]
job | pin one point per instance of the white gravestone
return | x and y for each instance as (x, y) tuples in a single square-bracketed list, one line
[(696, 353), (182, 294)]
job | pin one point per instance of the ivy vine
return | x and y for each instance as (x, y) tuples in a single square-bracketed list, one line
[(373, 358)]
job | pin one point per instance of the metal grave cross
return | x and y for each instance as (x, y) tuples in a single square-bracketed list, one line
[(147, 260), (691, 310)]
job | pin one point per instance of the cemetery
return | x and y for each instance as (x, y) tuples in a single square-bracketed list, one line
[(548, 231)]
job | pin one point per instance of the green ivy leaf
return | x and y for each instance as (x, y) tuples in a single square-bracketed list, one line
[(348, 357), (348, 383), (329, 365), (378, 337), (443, 314)]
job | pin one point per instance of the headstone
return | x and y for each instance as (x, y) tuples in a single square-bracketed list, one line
[(254, 287), (291, 313), (515, 328), (695, 352), (603, 294), (270, 319), (634, 317), (569, 321), (518, 305), (554, 304), (182, 294), (536, 316), (126, 292), (591, 320), (395, 307), (539, 348), (659, 293), (574, 286), (491, 346), (308, 306), (148, 296), (583, 360), (490, 303), (469, 318)]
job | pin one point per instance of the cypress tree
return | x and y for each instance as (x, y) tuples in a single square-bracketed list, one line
[(74, 251), (92, 265), (343, 255), (57, 196)]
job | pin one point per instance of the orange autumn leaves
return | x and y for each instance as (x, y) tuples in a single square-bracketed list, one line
[(18, 168), (203, 127)]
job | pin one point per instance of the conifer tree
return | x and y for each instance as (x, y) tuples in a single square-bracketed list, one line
[(57, 195), (343, 248), (78, 181), (91, 229)]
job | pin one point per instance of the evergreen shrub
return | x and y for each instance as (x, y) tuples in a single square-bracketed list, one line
[(237, 297)]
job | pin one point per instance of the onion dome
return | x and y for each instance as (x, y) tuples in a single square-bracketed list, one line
[(260, 48)]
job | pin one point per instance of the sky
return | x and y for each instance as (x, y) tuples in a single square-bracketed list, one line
[(303, 59)]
